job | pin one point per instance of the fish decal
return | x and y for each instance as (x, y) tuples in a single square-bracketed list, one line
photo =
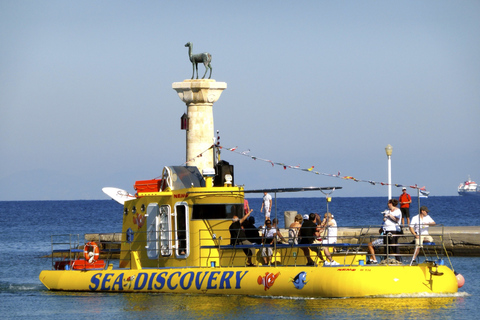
[(300, 280), (268, 280), (128, 281), (139, 220)]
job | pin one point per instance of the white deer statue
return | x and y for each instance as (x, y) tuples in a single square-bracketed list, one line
[(205, 58)]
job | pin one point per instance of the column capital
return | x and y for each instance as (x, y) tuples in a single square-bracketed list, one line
[(199, 91)]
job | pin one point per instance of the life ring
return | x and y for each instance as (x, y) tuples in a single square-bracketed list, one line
[(91, 252)]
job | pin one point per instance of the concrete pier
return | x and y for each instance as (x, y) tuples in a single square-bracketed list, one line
[(458, 241)]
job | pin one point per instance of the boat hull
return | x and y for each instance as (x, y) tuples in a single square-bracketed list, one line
[(469, 193), (328, 282)]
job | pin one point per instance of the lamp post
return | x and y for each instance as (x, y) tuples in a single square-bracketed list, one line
[(388, 151)]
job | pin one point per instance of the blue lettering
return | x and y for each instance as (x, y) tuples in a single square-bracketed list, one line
[(198, 283), (141, 276), (225, 280), (106, 280), (239, 279), (182, 280), (169, 282), (160, 279), (152, 277), (213, 277), (96, 281), (118, 282)]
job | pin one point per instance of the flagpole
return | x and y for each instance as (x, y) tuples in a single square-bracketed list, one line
[(418, 197)]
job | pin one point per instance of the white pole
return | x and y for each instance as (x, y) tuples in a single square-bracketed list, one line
[(389, 177), (388, 151)]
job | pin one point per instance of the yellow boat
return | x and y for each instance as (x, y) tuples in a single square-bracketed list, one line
[(175, 239)]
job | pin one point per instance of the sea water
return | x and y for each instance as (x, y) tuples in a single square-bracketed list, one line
[(28, 225)]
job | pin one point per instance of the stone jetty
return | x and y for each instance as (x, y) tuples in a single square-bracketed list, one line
[(458, 241)]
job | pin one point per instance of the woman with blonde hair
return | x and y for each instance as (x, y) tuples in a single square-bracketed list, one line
[(329, 225), (294, 228)]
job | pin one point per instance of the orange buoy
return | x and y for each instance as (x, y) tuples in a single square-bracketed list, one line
[(91, 252), (460, 279)]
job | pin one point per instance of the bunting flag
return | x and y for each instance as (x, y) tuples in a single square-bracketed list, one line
[(201, 154), (309, 169)]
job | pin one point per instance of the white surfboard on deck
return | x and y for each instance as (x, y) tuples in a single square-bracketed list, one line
[(119, 195)]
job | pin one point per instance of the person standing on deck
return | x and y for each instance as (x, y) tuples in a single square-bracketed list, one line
[(405, 201), (329, 233), (246, 207), (267, 204), (419, 228), (252, 233), (238, 236), (389, 230), (307, 236)]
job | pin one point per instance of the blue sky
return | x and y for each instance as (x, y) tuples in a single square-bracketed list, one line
[(87, 102)]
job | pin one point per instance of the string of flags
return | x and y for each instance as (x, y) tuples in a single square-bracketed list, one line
[(338, 175)]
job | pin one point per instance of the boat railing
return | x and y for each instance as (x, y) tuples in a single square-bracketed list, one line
[(287, 252), (405, 244), (65, 247), (213, 247), (110, 246), (351, 248)]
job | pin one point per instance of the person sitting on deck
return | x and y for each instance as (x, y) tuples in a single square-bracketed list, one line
[(307, 235), (270, 236), (237, 236), (294, 229), (278, 234), (267, 239), (419, 228)]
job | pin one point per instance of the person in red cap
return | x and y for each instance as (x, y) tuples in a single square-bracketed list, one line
[(405, 201)]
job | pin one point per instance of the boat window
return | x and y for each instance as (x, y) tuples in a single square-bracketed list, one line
[(217, 211), (153, 220), (178, 177), (158, 231), (165, 231), (181, 224)]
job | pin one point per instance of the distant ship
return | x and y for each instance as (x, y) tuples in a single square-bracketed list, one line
[(468, 188)]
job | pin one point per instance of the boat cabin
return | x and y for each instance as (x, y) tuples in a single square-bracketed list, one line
[(171, 217)]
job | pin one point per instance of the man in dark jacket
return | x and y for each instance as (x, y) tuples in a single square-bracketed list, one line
[(307, 235), (251, 231), (237, 236)]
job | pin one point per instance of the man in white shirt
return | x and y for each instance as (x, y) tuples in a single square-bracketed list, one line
[(267, 204), (419, 228)]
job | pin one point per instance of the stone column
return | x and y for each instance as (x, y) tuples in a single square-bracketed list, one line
[(199, 95)]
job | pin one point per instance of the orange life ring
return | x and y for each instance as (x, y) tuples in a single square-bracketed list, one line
[(91, 252)]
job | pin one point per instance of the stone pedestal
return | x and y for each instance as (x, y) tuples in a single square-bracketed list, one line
[(289, 218), (199, 96)]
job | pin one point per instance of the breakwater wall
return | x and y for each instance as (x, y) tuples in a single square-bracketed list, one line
[(458, 241)]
